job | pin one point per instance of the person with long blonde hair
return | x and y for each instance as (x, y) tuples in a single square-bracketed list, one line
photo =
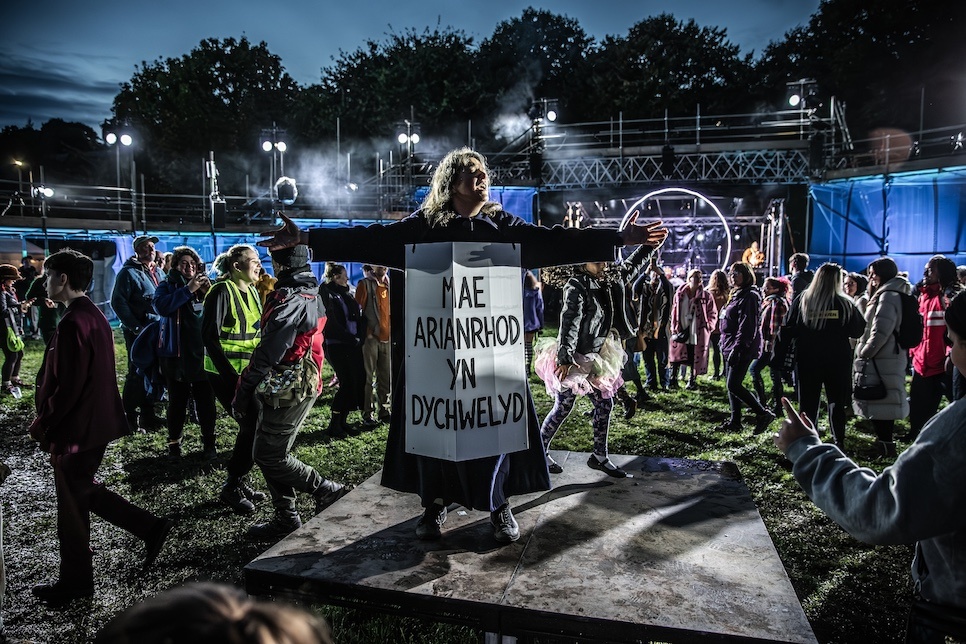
[(458, 209), (822, 320)]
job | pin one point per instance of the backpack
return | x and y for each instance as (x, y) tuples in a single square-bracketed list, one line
[(909, 332)]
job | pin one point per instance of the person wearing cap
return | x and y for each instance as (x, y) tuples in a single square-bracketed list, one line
[(132, 301), (456, 209), (291, 328), (11, 319)]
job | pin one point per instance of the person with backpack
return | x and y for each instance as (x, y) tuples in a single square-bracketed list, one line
[(879, 356), (932, 372), (279, 385)]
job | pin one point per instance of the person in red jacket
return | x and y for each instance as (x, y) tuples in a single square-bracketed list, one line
[(932, 372), (76, 419)]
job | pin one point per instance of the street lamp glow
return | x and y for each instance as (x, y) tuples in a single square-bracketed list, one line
[(126, 139), (267, 146), (551, 115), (794, 100), (414, 138), (110, 138), (281, 146), (402, 138)]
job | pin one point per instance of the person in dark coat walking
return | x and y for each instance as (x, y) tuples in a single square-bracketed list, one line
[(79, 412), (457, 208), (345, 331), (740, 324)]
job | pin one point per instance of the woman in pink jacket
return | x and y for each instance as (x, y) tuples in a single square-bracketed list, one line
[(693, 318)]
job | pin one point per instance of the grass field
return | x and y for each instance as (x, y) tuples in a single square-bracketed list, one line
[(851, 592)]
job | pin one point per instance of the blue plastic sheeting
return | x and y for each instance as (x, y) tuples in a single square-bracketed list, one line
[(909, 217), (515, 200)]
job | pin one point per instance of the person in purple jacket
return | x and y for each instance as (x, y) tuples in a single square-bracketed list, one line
[(740, 325), (76, 419)]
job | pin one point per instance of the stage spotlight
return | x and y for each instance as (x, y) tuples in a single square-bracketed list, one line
[(43, 192), (285, 190), (794, 100), (551, 115)]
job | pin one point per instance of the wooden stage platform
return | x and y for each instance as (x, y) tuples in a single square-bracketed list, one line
[(676, 554)]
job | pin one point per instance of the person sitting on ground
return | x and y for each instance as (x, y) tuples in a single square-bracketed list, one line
[(291, 339), (230, 330), (79, 412), (740, 323), (213, 613), (919, 498), (822, 320), (179, 300), (588, 356)]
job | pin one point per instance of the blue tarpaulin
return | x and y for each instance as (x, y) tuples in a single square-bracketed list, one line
[(909, 217)]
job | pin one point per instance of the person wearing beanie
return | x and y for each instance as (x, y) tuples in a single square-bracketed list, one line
[(457, 208), (11, 326), (291, 328)]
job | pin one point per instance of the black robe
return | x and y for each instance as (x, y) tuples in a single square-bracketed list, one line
[(483, 483)]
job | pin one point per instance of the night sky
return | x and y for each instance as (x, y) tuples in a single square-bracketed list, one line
[(61, 59)]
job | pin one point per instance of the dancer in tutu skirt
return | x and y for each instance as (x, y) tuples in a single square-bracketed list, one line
[(587, 357)]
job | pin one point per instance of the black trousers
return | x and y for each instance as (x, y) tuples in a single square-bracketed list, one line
[(346, 361), (242, 459), (78, 494)]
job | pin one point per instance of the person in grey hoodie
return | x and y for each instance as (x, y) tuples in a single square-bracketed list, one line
[(919, 499)]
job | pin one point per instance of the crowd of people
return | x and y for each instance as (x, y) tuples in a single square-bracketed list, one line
[(256, 342)]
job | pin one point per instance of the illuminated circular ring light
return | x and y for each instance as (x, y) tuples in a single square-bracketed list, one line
[(724, 222)]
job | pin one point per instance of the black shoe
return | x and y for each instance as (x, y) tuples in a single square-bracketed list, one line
[(329, 493), (209, 454), (430, 525), (642, 397), (762, 421), (275, 528), (154, 543), (607, 467), (58, 594), (553, 466), (251, 494), (384, 418), (630, 408), (369, 423), (691, 386), (728, 426), (174, 450), (505, 528), (234, 497)]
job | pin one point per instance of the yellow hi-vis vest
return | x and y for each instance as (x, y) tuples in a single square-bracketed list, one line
[(241, 332)]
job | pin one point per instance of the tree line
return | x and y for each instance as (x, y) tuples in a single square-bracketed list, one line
[(894, 63)]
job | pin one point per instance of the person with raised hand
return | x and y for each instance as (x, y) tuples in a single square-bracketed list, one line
[(457, 208)]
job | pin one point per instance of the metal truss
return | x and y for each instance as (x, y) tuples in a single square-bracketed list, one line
[(752, 166)]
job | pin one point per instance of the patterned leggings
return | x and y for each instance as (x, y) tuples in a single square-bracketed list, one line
[(562, 407)]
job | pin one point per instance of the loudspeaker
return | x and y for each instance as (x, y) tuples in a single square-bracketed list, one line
[(218, 213)]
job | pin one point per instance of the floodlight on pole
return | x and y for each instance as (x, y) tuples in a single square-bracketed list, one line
[(117, 137)]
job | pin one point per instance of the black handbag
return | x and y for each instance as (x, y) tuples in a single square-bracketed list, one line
[(865, 391), (682, 336)]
